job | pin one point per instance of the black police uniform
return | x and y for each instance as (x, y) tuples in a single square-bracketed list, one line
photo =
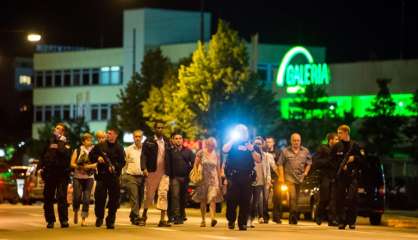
[(322, 161), (346, 181), (107, 182), (55, 165), (239, 171)]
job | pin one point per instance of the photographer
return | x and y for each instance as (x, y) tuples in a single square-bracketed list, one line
[(110, 159), (55, 171), (239, 171), (83, 177)]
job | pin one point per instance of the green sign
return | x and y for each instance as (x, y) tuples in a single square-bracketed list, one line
[(295, 76)]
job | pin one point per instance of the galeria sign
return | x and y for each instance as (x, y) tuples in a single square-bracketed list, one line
[(291, 75)]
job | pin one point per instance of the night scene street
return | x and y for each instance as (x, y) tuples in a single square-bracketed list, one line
[(209, 119)]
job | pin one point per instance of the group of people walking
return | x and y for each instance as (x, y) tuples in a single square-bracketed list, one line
[(156, 170)]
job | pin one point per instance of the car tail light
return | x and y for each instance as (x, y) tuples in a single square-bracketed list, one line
[(381, 191), (189, 190)]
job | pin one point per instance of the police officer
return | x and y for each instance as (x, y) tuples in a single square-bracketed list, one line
[(55, 171), (347, 157), (110, 159), (322, 162), (239, 171)]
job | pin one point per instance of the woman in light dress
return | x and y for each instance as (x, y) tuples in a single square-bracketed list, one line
[(209, 191)]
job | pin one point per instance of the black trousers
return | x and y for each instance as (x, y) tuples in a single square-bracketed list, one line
[(56, 188), (326, 205), (346, 200), (277, 206), (178, 193), (238, 195), (107, 186)]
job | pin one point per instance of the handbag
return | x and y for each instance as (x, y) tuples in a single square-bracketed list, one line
[(196, 175)]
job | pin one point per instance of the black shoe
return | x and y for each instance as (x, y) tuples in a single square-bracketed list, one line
[(178, 220), (99, 222), (341, 226), (293, 220), (318, 220), (231, 225), (50, 225), (142, 221), (65, 225), (278, 221), (213, 223), (184, 219), (135, 222), (110, 226), (242, 227), (352, 226), (163, 224), (333, 223)]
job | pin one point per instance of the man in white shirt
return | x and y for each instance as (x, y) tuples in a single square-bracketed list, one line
[(134, 177)]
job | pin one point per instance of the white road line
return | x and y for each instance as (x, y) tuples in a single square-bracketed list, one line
[(35, 224), (216, 237), (164, 229), (35, 215)]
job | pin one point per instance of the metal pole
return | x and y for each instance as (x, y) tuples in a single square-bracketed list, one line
[(202, 21), (133, 51)]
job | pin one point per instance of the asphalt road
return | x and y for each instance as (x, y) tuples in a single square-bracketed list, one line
[(26, 222)]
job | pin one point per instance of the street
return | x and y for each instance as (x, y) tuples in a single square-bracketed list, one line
[(27, 222)]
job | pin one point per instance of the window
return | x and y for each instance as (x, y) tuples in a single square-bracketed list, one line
[(94, 112), (86, 77), (67, 78), (48, 113), (25, 80), (76, 77), (57, 112), (104, 76), (66, 112), (104, 112), (58, 78), (39, 79), (262, 74), (48, 79), (115, 75), (95, 77), (38, 114)]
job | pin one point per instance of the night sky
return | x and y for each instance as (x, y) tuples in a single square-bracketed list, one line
[(350, 30)]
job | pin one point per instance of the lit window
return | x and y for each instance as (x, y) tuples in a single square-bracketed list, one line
[(25, 80), (104, 76), (115, 75)]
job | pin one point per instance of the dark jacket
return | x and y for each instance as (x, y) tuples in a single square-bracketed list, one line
[(182, 160), (342, 149), (323, 162), (55, 162), (276, 154), (150, 152), (239, 162), (112, 152)]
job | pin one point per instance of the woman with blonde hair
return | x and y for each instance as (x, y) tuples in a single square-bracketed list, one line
[(209, 191)]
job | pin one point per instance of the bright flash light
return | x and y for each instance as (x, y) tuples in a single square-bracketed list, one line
[(332, 107), (283, 188), (34, 37), (235, 135)]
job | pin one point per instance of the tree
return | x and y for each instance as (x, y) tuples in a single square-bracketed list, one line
[(381, 132), (129, 110), (411, 128)]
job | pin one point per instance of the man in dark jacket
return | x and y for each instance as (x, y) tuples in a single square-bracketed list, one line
[(322, 162), (348, 158), (55, 171), (182, 159), (110, 159), (156, 164)]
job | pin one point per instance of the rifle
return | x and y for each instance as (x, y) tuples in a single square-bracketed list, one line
[(111, 168), (346, 157)]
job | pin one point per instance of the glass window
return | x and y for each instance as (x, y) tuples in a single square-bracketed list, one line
[(38, 114), (95, 77), (66, 112), (104, 112), (76, 77), (262, 74), (58, 78), (115, 75), (57, 112), (48, 113), (86, 77), (39, 79), (94, 112), (67, 78), (48, 79), (104, 76)]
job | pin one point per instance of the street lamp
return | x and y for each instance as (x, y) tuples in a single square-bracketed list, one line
[(34, 37)]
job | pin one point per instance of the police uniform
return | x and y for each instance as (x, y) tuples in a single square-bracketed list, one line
[(55, 165), (239, 171), (346, 181), (323, 163), (107, 182)]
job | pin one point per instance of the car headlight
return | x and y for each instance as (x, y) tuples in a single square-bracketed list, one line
[(283, 188)]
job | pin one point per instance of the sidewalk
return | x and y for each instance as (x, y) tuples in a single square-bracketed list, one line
[(398, 218)]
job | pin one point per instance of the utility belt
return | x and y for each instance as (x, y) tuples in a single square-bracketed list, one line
[(235, 173)]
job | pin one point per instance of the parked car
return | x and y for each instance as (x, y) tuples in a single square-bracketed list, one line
[(8, 187), (33, 186)]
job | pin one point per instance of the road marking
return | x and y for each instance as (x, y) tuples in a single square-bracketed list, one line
[(35, 224), (35, 215), (216, 237), (164, 229)]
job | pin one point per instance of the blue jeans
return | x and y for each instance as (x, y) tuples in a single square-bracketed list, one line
[(81, 194)]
